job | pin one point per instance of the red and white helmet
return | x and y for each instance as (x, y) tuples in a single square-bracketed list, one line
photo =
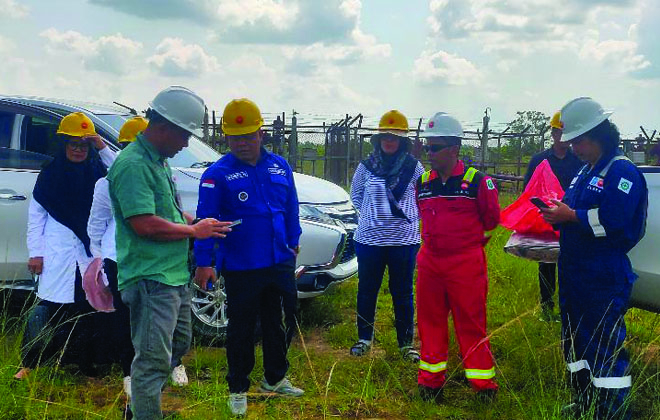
[(442, 125)]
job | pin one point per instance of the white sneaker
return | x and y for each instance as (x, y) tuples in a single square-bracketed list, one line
[(238, 404), (127, 386), (179, 377), (283, 388)]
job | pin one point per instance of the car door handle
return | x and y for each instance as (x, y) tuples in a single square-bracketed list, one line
[(12, 197)]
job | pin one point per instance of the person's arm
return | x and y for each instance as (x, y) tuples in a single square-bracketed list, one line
[(37, 217), (291, 217), (358, 185), (99, 216), (159, 229), (208, 205), (136, 199), (621, 194), (622, 191), (488, 203), (107, 156)]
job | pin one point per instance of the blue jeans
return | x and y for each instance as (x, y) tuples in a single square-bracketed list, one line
[(161, 331), (400, 261)]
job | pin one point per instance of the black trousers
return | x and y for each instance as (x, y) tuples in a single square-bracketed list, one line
[(270, 294), (61, 333), (547, 284), (113, 329)]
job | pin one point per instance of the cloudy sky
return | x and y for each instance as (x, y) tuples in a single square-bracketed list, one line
[(343, 56)]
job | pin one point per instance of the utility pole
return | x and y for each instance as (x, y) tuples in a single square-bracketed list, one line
[(484, 139)]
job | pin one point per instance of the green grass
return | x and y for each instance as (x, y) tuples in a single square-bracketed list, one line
[(530, 367)]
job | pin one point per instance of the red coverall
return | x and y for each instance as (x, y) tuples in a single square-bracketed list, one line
[(452, 274)]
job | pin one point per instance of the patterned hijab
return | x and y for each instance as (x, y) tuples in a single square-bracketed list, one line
[(397, 170)]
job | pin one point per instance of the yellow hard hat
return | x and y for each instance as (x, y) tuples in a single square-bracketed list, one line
[(241, 116), (76, 124), (131, 128), (555, 122), (393, 122)]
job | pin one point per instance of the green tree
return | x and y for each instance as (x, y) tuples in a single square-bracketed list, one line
[(530, 122)]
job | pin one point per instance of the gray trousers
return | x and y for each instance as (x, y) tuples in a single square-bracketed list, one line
[(161, 332)]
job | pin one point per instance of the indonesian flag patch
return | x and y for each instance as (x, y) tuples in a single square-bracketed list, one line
[(208, 183)]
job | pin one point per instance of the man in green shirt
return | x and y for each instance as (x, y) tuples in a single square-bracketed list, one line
[(152, 244)]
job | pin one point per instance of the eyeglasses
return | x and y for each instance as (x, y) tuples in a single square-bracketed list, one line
[(435, 148), (83, 147)]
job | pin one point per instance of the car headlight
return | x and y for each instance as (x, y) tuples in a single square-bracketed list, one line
[(308, 211)]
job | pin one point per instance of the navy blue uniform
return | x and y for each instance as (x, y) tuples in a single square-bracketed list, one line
[(256, 259), (596, 278), (264, 197)]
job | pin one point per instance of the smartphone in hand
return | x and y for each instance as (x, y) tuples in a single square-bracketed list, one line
[(539, 203), (235, 223)]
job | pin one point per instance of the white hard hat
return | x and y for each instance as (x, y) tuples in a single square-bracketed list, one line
[(581, 115), (442, 125), (181, 107)]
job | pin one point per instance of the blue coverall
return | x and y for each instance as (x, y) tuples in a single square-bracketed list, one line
[(596, 278), (257, 258)]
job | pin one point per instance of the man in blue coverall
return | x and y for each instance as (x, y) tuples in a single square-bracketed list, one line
[(257, 259), (602, 217)]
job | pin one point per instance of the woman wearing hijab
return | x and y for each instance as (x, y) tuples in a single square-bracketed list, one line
[(383, 191), (58, 244)]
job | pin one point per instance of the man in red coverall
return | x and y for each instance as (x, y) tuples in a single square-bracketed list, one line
[(457, 204)]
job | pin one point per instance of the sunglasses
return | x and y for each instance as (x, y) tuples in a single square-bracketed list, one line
[(78, 146), (434, 148)]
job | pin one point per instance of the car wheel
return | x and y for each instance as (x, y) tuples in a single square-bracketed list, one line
[(209, 309)]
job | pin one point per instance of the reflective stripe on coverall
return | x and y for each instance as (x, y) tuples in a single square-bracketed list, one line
[(452, 273), (596, 278)]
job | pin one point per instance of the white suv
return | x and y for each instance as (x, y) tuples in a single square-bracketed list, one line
[(27, 137)]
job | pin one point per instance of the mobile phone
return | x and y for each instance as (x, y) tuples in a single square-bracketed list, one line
[(539, 203), (235, 223)]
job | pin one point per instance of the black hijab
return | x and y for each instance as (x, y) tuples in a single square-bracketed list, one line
[(397, 170), (66, 189)]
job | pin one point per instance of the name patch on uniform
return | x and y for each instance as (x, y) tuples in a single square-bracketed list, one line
[(243, 196), (277, 171), (236, 175), (625, 185), (490, 184), (208, 183)]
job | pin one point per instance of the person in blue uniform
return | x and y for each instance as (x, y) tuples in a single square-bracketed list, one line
[(258, 258), (601, 218)]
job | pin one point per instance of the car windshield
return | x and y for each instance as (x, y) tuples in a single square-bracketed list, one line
[(196, 155)]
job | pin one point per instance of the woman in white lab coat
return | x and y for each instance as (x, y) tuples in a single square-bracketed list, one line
[(58, 246)]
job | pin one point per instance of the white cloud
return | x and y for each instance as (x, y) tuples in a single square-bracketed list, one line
[(12, 9), (175, 58), (256, 21), (238, 13), (111, 54), (647, 35), (615, 53), (446, 68), (525, 26), (302, 60)]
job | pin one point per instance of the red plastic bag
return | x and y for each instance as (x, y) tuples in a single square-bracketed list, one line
[(524, 217)]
